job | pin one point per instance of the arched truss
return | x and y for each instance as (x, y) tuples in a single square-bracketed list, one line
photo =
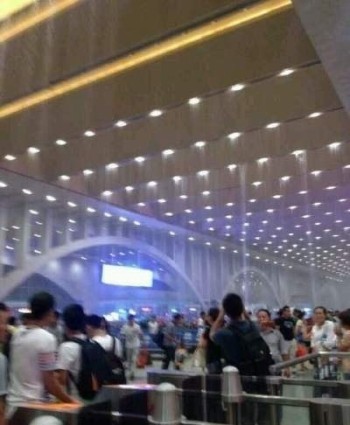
[(263, 276), (34, 264)]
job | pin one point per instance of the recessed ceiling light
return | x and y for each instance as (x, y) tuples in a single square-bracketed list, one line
[(88, 172), (194, 101), (200, 144), (71, 204), (285, 178), (33, 150), (257, 184), (237, 87), (315, 115), (316, 173), (208, 243), (3, 184), (263, 160), (140, 159), (273, 125), (171, 233), (177, 179), (232, 167), (270, 210), (137, 223), (129, 188), (107, 214), (286, 72), (156, 113), (183, 196), (206, 193), (152, 183), (229, 217), (191, 222), (203, 173), (60, 142), (210, 219), (298, 152), (252, 200), (168, 152), (208, 207), (234, 135), (27, 192), (9, 157), (141, 204), (191, 238), (72, 221), (347, 166), (121, 124), (277, 196), (64, 177), (342, 200), (90, 210), (34, 212), (112, 166), (331, 187), (188, 211), (230, 204), (107, 193), (89, 133), (334, 145), (123, 219), (50, 198), (169, 214), (306, 216), (302, 192), (317, 204), (162, 201)]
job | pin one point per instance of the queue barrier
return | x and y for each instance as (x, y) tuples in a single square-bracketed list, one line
[(199, 399)]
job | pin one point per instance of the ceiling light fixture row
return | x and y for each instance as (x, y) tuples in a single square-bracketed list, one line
[(194, 101)]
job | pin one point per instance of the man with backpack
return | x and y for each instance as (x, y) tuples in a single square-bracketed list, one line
[(82, 363), (240, 341), (69, 359), (111, 345), (242, 347)]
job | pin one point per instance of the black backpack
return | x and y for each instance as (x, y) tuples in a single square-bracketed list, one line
[(118, 371), (95, 369), (158, 338), (255, 353)]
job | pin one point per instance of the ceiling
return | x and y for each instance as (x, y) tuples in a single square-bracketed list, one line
[(240, 136)]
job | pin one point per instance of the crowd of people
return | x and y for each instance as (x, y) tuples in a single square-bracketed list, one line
[(69, 356)]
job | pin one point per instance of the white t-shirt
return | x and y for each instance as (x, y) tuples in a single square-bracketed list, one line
[(69, 356), (153, 328), (33, 350), (323, 337), (132, 335), (3, 375), (106, 342)]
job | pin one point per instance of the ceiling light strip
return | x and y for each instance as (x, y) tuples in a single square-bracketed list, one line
[(155, 52), (36, 17)]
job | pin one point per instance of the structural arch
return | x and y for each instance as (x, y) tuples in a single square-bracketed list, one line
[(34, 264), (263, 276)]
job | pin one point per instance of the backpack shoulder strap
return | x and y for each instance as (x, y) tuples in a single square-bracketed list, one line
[(79, 341), (113, 344)]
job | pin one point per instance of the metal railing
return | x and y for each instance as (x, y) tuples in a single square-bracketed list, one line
[(278, 367)]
